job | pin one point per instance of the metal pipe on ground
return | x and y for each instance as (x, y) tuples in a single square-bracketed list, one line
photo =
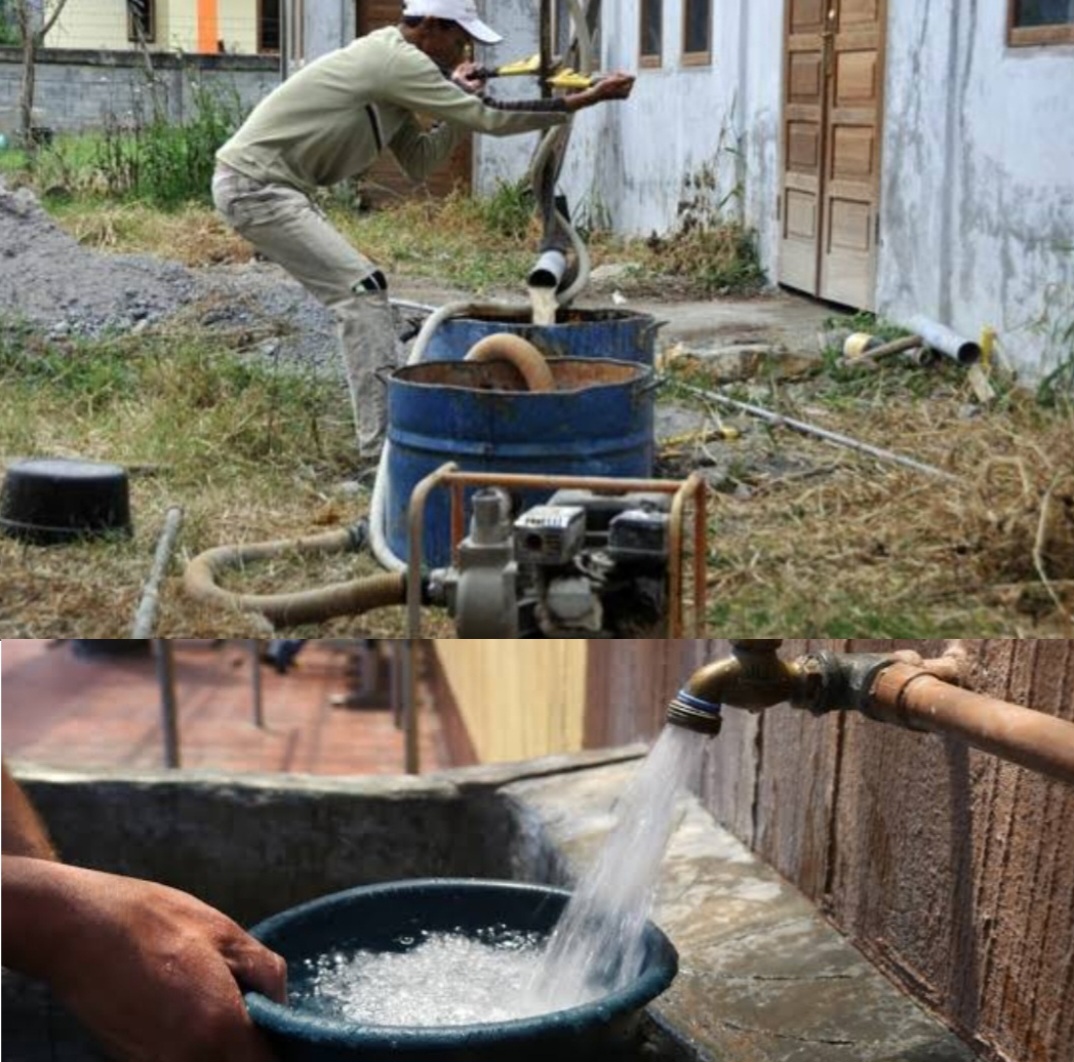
[(913, 697), (821, 433), (943, 339), (146, 615)]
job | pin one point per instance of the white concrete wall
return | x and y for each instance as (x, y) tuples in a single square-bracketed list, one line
[(329, 25), (86, 24), (94, 24), (977, 202), (977, 208), (506, 159), (236, 25), (102, 24), (634, 159)]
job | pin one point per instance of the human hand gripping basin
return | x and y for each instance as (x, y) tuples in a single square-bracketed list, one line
[(387, 918)]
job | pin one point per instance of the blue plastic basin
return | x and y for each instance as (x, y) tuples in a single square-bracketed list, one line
[(374, 917)]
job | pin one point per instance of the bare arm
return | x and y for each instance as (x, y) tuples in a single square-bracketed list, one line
[(153, 972), (24, 833)]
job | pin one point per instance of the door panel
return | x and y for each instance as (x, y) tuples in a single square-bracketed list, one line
[(831, 148), (803, 144)]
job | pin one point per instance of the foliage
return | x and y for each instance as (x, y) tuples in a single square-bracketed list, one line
[(152, 159), (9, 30), (712, 249), (717, 259), (509, 211)]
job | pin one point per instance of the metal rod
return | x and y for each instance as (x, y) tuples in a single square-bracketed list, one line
[(675, 564), (700, 555), (397, 683), (905, 694), (821, 433), (146, 615), (254, 647), (415, 530), (169, 717), (410, 708), (545, 33)]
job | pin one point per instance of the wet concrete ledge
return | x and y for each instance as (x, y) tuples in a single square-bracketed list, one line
[(763, 978)]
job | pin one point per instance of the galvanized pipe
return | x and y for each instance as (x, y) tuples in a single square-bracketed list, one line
[(165, 662), (146, 615), (820, 433), (912, 697), (549, 270), (943, 339)]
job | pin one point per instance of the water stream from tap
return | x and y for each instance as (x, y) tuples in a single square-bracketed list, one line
[(596, 947)]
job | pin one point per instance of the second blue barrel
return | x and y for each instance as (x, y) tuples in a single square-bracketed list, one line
[(617, 334), (597, 422)]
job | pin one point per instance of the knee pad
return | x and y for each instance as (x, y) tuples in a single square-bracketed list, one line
[(374, 282)]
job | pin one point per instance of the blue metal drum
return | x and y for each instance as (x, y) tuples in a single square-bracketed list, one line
[(597, 422), (616, 334)]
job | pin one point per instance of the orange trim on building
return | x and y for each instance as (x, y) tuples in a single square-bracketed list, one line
[(208, 27)]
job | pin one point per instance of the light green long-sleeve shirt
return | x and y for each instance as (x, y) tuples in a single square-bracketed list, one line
[(331, 120)]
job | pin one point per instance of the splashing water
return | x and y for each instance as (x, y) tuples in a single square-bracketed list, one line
[(597, 946), (441, 979), (502, 975)]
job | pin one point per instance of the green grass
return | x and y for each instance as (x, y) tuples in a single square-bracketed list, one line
[(169, 401)]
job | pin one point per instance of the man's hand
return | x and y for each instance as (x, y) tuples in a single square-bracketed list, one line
[(463, 76), (151, 971), (617, 86)]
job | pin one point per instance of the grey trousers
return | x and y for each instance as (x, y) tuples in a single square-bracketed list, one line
[(287, 228)]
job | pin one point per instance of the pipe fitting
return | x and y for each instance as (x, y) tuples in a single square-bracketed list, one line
[(838, 682), (549, 271)]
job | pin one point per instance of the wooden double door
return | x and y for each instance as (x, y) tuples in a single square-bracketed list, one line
[(831, 134)]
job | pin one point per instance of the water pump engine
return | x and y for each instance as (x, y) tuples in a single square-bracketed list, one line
[(581, 565)]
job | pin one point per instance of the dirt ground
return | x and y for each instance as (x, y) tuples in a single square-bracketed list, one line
[(985, 545)]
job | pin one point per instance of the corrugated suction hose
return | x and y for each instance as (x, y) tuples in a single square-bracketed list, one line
[(305, 606), (523, 355)]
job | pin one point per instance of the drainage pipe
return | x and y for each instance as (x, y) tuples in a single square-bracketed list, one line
[(305, 606), (821, 433), (940, 337), (910, 696)]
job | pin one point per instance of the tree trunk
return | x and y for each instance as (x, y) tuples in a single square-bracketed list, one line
[(33, 36), (26, 94)]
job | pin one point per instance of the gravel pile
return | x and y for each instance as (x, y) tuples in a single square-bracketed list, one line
[(52, 284)]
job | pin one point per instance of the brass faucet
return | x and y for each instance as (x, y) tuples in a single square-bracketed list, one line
[(753, 677)]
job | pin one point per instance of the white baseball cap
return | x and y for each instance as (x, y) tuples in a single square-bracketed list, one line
[(464, 12)]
